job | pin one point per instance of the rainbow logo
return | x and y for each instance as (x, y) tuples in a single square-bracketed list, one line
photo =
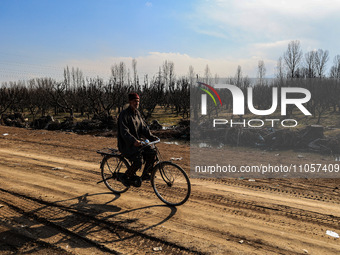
[(213, 90)]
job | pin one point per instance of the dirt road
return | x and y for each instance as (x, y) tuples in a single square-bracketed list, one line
[(50, 204)]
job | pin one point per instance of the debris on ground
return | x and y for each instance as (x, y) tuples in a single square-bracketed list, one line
[(57, 168), (310, 138), (157, 248), (176, 159), (332, 234), (155, 125), (14, 120)]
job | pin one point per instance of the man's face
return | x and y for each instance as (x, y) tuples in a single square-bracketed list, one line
[(134, 103)]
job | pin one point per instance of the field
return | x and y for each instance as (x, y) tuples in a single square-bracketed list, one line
[(50, 203)]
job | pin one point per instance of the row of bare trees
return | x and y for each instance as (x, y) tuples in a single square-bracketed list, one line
[(77, 94), (312, 64)]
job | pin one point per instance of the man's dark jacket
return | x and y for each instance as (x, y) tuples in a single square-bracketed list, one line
[(131, 127)]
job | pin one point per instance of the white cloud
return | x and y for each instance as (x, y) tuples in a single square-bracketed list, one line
[(148, 4), (212, 33), (266, 19)]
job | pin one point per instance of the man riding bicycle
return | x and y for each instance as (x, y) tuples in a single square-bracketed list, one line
[(131, 128)]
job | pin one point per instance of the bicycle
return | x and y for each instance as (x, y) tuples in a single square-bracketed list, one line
[(168, 180)]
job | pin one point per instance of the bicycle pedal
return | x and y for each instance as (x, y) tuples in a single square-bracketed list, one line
[(124, 180), (136, 181)]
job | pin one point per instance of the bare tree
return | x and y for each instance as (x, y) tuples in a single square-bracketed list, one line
[(335, 69), (310, 64), (42, 93), (135, 77), (194, 102), (191, 75), (165, 69), (64, 94), (151, 96), (217, 78), (321, 58), (261, 72), (119, 73), (238, 76), (171, 73), (128, 77), (18, 91), (279, 71), (120, 86), (6, 98), (77, 77), (292, 57), (180, 93), (31, 100), (207, 74)]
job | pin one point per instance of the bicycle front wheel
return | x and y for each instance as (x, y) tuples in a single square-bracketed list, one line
[(112, 168), (170, 183)]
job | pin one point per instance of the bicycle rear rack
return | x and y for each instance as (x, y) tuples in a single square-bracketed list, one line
[(108, 151)]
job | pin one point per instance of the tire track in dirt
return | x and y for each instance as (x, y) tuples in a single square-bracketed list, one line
[(31, 230), (288, 188), (268, 208), (13, 241), (55, 144), (97, 232)]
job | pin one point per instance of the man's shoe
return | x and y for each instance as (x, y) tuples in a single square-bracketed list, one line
[(125, 180), (136, 181), (146, 177)]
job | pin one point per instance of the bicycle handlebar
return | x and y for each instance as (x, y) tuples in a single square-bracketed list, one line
[(145, 143)]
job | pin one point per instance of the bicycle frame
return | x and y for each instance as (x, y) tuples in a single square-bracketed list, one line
[(158, 161)]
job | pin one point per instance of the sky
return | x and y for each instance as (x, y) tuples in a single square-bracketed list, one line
[(39, 38)]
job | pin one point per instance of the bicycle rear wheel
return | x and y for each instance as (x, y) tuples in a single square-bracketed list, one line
[(170, 183), (112, 168)]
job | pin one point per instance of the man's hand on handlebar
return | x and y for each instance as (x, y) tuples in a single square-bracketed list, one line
[(146, 142)]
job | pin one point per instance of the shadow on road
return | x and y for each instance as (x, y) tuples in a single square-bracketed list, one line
[(83, 222)]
